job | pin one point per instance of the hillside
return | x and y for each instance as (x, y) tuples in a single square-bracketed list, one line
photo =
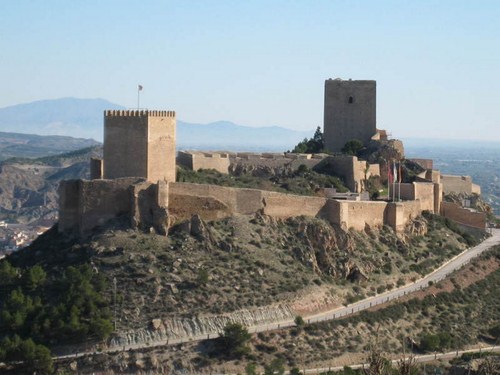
[(28, 187), (241, 266), (14, 145)]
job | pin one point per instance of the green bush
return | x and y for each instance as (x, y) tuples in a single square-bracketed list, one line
[(435, 342), (352, 147), (299, 321), (234, 339)]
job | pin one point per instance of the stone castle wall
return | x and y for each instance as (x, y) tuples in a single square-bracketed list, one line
[(161, 146), (142, 204), (463, 216), (349, 112), (140, 144), (352, 170), (424, 192), (195, 160), (86, 204), (459, 184), (216, 202)]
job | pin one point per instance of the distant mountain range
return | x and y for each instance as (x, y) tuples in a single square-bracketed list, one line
[(33, 146), (83, 118)]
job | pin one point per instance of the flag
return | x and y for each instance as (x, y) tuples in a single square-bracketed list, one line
[(400, 174), (395, 171), (139, 87), (389, 174)]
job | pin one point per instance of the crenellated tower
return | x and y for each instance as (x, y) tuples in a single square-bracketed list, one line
[(139, 143)]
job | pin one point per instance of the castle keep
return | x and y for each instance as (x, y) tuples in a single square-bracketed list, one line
[(350, 112), (139, 144), (131, 182)]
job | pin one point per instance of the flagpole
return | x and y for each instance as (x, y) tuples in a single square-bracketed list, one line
[(400, 178), (138, 93), (394, 181), (388, 163)]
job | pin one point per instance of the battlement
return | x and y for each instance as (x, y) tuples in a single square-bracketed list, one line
[(137, 113)]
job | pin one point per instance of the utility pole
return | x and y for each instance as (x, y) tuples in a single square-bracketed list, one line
[(114, 299)]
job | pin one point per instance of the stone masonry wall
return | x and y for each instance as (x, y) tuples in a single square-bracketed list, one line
[(349, 112), (215, 202), (459, 184), (204, 160), (86, 204), (139, 144), (463, 216), (425, 192), (124, 151), (161, 146)]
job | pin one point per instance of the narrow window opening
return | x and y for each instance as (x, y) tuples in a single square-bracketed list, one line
[(351, 100)]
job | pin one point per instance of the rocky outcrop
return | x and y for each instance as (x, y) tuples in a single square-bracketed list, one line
[(326, 250), (175, 328)]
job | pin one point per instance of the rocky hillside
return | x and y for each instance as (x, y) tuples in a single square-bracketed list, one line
[(28, 187), (204, 274)]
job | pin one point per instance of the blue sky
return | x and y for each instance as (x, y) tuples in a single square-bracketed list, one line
[(259, 63)]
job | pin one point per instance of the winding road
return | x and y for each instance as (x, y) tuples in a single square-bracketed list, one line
[(435, 276)]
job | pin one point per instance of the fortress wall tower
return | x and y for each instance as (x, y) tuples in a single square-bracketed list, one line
[(139, 143), (350, 112)]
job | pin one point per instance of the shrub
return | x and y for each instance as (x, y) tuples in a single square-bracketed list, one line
[(299, 321), (495, 331), (435, 342), (234, 339)]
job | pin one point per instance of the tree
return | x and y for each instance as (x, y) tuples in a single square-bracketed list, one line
[(299, 321), (8, 274), (235, 338), (35, 358), (352, 147), (34, 277), (312, 145)]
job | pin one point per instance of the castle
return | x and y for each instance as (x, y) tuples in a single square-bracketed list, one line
[(136, 180)]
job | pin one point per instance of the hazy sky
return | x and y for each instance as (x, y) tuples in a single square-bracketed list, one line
[(259, 63)]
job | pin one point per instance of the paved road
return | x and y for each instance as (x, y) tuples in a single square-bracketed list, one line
[(419, 358), (439, 274)]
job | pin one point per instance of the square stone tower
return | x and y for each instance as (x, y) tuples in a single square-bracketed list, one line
[(350, 112), (139, 143)]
